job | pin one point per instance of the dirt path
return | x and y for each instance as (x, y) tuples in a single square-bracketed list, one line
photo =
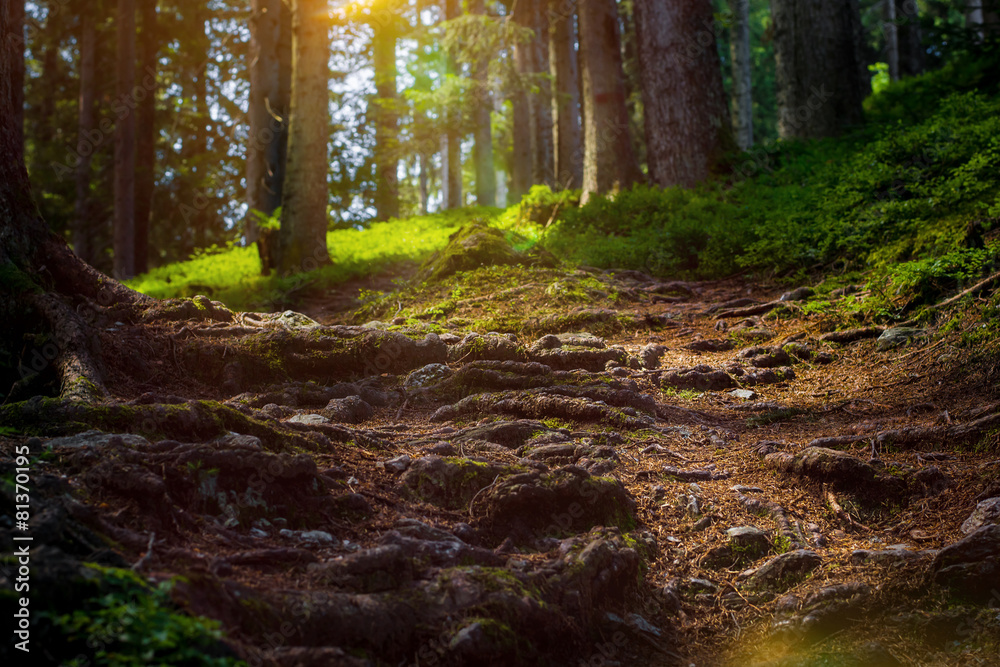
[(687, 483)]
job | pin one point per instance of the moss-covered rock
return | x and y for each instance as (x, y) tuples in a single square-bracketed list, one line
[(469, 248)]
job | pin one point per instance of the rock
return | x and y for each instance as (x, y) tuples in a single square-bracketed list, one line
[(701, 378), (650, 355), (851, 335), (987, 513), (891, 338), (532, 505), (97, 440), (749, 539), (318, 537), (930, 481), (398, 465), (350, 410), (768, 358), (427, 376), (472, 246), (971, 566), (744, 394), (767, 376), (309, 419), (800, 294), (784, 571), (450, 483), (746, 544), (896, 555)]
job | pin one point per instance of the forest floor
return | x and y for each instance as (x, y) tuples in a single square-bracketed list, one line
[(630, 472)]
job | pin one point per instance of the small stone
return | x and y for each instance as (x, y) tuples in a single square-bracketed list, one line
[(987, 513), (800, 294), (350, 410), (428, 375), (650, 355), (316, 537), (744, 394), (894, 337), (311, 420), (784, 571), (398, 465), (258, 533), (702, 524)]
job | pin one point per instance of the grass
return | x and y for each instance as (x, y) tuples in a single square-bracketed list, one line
[(233, 275)]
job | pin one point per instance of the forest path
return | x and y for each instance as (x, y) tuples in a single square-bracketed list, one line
[(646, 473)]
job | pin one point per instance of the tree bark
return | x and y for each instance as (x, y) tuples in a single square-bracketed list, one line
[(451, 139), (15, 43), (386, 120), (302, 237), (521, 163), (911, 50), (609, 159), (39, 263), (742, 71), (267, 113), (145, 173), (542, 139), (566, 94), (486, 175), (891, 38), (202, 128), (820, 74), (124, 229), (88, 139), (687, 129)]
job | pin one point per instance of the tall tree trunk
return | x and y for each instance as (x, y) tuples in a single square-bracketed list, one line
[(820, 73), (687, 128), (742, 70), (974, 17), (124, 230), (424, 178), (386, 117), (265, 119), (88, 139), (891, 30), (542, 141), (15, 43), (302, 237), (145, 150), (451, 140), (202, 127), (609, 160), (911, 49), (521, 163), (566, 94), (486, 175)]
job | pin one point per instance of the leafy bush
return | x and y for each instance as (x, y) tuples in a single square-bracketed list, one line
[(131, 624), (664, 231)]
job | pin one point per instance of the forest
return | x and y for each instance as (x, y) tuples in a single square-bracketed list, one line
[(500, 332)]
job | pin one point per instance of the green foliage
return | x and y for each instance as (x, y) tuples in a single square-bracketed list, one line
[(890, 193), (131, 624), (668, 232)]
